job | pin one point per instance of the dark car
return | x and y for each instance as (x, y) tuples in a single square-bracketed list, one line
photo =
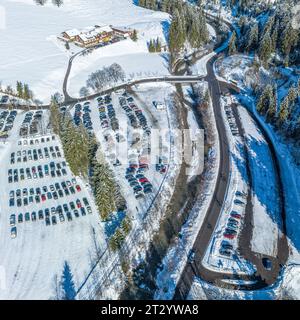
[(33, 216), (69, 216), (20, 218), (267, 263), (225, 252), (53, 219), (41, 214), (85, 201), (47, 221), (11, 202), (83, 212)]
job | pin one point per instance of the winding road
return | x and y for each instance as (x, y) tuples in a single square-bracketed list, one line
[(262, 278)]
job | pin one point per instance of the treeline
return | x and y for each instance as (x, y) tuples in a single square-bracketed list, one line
[(284, 115), (105, 77), (108, 198), (270, 35), (57, 3), (154, 45), (188, 23), (120, 234), (75, 140), (106, 190), (249, 7), (21, 91)]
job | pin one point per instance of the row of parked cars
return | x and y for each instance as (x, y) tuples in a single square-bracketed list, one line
[(231, 121), (232, 226), (107, 113), (139, 183), (35, 154), (31, 142), (82, 115), (135, 115), (30, 124), (135, 171), (52, 215), (27, 196), (48, 170), (7, 119)]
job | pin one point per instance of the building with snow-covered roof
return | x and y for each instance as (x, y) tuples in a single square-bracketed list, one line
[(92, 36), (123, 31), (71, 34)]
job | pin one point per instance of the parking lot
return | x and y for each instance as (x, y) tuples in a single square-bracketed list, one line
[(47, 215), (40, 186), (123, 127)]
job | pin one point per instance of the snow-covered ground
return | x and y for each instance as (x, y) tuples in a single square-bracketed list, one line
[(33, 261), (199, 67), (131, 56), (31, 53), (265, 196), (290, 174), (287, 287), (157, 120), (237, 68)]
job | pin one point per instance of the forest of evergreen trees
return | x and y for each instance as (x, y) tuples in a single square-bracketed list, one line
[(267, 31), (284, 116), (188, 23)]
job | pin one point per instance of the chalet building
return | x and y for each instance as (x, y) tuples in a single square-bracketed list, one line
[(93, 36), (71, 34), (122, 31)]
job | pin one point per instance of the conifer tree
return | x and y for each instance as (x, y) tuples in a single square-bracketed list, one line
[(232, 44)]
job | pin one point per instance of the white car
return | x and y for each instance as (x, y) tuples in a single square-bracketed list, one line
[(12, 220), (13, 232)]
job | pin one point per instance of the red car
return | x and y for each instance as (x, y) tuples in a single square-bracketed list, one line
[(229, 236), (236, 215), (78, 188), (43, 197), (163, 170), (144, 165), (78, 203), (143, 180)]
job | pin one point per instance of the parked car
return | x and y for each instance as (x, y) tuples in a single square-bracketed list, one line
[(12, 220), (13, 232), (191, 256)]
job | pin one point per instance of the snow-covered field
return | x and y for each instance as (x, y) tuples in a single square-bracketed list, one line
[(31, 53), (133, 57), (266, 212)]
